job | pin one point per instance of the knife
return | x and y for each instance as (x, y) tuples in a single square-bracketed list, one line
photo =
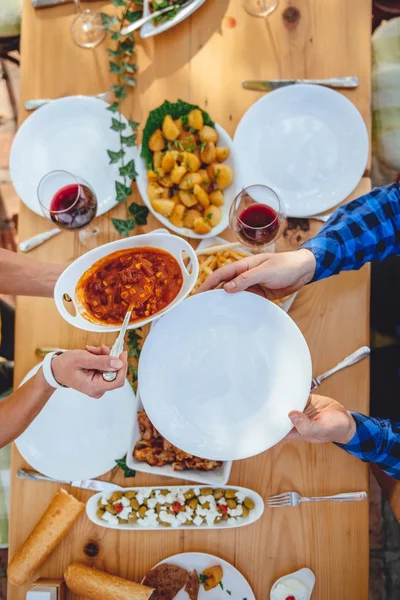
[(274, 84), (85, 484)]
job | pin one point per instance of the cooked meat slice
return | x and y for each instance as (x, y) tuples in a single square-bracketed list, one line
[(193, 586), (145, 426), (179, 466), (167, 580)]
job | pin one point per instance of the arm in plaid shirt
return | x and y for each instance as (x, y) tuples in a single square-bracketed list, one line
[(363, 230)]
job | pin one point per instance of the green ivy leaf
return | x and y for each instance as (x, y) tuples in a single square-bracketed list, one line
[(133, 15), (113, 107), (133, 344), (117, 125), (128, 170), (115, 156), (129, 80), (128, 67), (133, 125), (108, 20), (114, 68), (123, 191), (121, 92), (127, 47), (139, 212), (118, 2), (121, 462), (133, 371), (124, 226), (114, 53), (128, 140), (116, 36)]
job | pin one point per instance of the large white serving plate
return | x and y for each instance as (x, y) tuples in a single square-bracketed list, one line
[(71, 134), (254, 515), (230, 192), (232, 580), (78, 437), (148, 29), (230, 367), (216, 478), (68, 280), (307, 142)]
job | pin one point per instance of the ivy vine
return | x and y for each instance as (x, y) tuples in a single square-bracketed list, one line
[(122, 66)]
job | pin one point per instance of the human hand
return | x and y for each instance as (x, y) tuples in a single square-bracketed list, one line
[(323, 420), (83, 370), (277, 274)]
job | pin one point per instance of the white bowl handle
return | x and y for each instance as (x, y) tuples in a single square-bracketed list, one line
[(193, 262), (61, 291)]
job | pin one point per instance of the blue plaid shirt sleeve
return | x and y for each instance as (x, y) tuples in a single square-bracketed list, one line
[(377, 441), (363, 230)]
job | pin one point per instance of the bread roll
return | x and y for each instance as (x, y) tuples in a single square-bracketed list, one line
[(97, 585), (59, 517)]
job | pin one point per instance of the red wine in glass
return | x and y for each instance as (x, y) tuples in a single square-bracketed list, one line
[(258, 224), (73, 206)]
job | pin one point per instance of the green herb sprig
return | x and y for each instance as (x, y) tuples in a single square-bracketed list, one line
[(121, 65)]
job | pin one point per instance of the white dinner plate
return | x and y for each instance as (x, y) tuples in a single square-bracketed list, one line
[(233, 581), (77, 437), (307, 142), (148, 29), (71, 134), (219, 374)]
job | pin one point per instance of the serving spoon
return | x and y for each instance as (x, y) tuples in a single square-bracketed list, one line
[(118, 345)]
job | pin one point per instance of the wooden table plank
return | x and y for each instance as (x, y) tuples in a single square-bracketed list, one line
[(204, 60)]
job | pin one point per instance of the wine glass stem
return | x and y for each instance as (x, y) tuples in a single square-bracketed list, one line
[(78, 5)]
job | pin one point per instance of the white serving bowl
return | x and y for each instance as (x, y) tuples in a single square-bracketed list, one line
[(230, 193), (68, 280)]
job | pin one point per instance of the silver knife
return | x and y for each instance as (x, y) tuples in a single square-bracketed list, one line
[(352, 359), (85, 484), (273, 84)]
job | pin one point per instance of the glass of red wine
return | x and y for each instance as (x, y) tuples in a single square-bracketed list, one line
[(257, 217), (69, 202)]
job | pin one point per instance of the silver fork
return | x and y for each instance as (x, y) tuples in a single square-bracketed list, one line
[(34, 104), (294, 499), (352, 359)]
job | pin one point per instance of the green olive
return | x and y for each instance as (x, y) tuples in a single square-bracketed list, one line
[(164, 492), (142, 511), (193, 503), (153, 494), (135, 504), (122, 520), (230, 494), (218, 494), (245, 511), (189, 494), (206, 505), (231, 503), (100, 512), (217, 519), (158, 508), (206, 491), (224, 517), (132, 518), (187, 522), (144, 503), (164, 523), (115, 496), (248, 503), (130, 495), (111, 509), (100, 503)]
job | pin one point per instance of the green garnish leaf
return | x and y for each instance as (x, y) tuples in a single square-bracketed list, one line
[(177, 110), (118, 2), (221, 585), (185, 120), (108, 20), (113, 107), (121, 462), (128, 140), (133, 344), (124, 226), (202, 146), (133, 15), (129, 80), (117, 125), (128, 170), (139, 212), (208, 217), (123, 191), (229, 592), (202, 579), (115, 156)]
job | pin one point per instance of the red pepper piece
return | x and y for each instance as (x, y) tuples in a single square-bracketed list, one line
[(176, 507), (118, 507), (223, 509)]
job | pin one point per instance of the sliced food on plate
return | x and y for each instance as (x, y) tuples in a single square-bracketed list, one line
[(186, 170)]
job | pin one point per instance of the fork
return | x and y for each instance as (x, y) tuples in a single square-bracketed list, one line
[(294, 499), (352, 359), (34, 104)]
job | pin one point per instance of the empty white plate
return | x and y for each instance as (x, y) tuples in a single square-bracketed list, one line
[(71, 134), (234, 585), (307, 142), (77, 437), (219, 374)]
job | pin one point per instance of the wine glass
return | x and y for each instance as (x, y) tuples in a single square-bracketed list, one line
[(260, 8), (86, 29), (69, 202), (256, 217)]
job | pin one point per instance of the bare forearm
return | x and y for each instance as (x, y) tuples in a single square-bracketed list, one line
[(18, 410), (22, 276)]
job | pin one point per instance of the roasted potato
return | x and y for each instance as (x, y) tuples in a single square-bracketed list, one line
[(156, 141), (191, 162), (201, 227), (195, 119), (190, 217), (187, 199), (154, 191), (155, 175), (208, 134), (164, 207), (177, 173), (201, 196), (221, 174), (166, 181), (222, 154), (187, 141), (213, 215), (176, 217), (169, 128), (179, 124), (209, 154), (189, 180), (217, 198), (157, 158), (205, 178), (168, 161), (212, 576)]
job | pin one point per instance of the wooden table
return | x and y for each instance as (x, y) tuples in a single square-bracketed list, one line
[(204, 60)]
